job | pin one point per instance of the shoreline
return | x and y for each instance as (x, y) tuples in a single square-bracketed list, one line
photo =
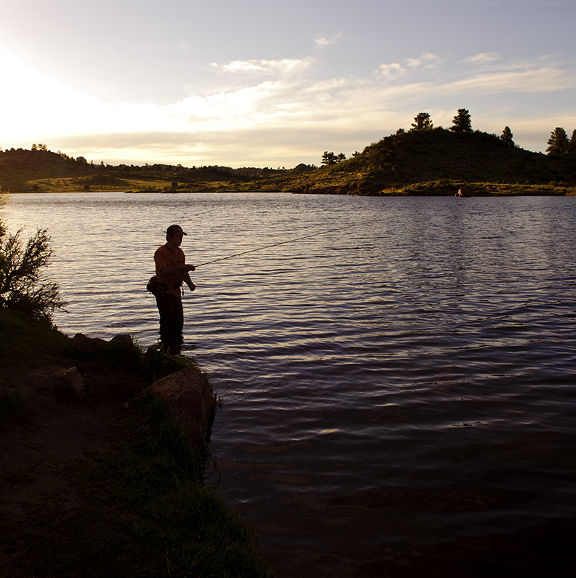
[(99, 474), (440, 188)]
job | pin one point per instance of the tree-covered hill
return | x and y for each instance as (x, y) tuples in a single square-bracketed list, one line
[(439, 161), (18, 166), (41, 170)]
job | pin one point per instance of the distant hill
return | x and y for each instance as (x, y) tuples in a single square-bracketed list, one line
[(41, 170), (438, 161), (418, 162)]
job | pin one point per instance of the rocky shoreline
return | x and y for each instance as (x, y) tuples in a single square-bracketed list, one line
[(75, 406)]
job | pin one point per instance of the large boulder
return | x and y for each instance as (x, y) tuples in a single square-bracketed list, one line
[(190, 399)]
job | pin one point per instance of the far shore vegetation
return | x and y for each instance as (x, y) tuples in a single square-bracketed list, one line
[(422, 160)]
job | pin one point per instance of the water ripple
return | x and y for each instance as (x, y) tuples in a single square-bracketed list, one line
[(415, 370)]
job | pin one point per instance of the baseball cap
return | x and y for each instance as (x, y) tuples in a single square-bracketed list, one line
[(175, 230)]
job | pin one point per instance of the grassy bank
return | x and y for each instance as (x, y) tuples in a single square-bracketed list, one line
[(143, 512), (137, 506), (477, 189)]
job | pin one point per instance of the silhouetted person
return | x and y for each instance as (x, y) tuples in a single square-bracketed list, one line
[(172, 271)]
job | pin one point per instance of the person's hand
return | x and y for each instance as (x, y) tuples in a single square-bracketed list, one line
[(192, 286), (189, 268)]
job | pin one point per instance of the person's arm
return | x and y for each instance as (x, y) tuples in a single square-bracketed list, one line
[(176, 270), (188, 281)]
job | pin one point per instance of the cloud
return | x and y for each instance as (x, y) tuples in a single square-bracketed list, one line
[(265, 111), (326, 86), (545, 79), (327, 40), (425, 60), (260, 146), (393, 70), (483, 58), (264, 67)]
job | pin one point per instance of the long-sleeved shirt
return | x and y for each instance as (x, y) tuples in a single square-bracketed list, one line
[(166, 256)]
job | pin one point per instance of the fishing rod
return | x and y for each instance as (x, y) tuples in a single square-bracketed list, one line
[(271, 245)]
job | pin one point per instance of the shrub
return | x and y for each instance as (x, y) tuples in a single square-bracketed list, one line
[(22, 286)]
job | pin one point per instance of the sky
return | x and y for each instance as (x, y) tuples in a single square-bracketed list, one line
[(275, 83)]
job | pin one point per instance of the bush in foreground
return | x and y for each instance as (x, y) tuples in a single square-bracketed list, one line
[(22, 286)]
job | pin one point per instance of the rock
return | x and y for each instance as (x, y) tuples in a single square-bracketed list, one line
[(71, 384), (83, 344), (122, 341), (158, 364), (190, 399)]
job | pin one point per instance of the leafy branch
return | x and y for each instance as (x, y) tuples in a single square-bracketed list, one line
[(22, 285)]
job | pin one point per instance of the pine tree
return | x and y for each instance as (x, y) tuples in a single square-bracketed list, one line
[(461, 122), (507, 137), (422, 121), (571, 148), (328, 158), (558, 142)]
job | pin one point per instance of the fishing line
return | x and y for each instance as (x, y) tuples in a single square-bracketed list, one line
[(272, 245)]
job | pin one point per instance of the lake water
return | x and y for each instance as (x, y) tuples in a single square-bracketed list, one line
[(398, 395)]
